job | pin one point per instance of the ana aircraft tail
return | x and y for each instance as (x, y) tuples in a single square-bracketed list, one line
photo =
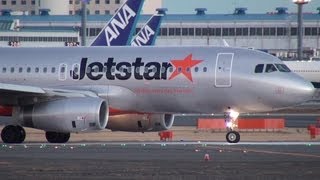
[(148, 33), (120, 28)]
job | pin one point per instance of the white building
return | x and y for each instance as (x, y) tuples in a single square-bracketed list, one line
[(275, 32)]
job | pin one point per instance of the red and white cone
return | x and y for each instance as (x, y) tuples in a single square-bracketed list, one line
[(207, 157)]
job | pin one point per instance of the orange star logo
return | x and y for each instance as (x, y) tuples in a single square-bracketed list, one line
[(184, 66)]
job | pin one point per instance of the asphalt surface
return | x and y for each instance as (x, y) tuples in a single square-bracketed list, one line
[(158, 160), (292, 121)]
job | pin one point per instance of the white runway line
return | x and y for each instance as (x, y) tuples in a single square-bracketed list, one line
[(167, 143)]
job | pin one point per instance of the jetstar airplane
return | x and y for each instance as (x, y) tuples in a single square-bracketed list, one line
[(139, 89)]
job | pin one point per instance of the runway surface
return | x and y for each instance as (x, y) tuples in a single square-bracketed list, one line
[(161, 160)]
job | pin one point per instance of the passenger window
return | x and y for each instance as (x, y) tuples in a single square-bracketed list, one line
[(88, 70), (205, 69), (96, 69), (171, 69), (283, 68), (20, 70), (196, 69), (137, 69), (76, 69), (12, 70), (113, 69), (4, 70), (28, 70), (259, 68), (53, 70), (163, 69), (36, 70), (188, 69), (179, 69), (154, 70), (270, 68), (45, 70)]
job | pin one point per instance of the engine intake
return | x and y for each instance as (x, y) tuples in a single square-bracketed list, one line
[(65, 115), (140, 122)]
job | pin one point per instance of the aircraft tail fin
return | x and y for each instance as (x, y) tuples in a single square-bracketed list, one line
[(225, 43), (120, 28), (148, 33)]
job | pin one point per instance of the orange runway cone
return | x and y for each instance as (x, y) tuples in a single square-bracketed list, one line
[(207, 157)]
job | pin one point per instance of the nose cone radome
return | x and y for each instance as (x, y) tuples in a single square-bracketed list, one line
[(300, 91)]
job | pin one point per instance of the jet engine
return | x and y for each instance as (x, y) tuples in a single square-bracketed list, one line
[(140, 122), (65, 115)]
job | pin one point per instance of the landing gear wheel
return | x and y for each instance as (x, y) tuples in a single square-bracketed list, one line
[(13, 134), (55, 137), (233, 137), (21, 134)]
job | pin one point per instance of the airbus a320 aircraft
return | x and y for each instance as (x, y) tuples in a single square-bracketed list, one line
[(85, 89)]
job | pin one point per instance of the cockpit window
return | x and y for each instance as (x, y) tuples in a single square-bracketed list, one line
[(270, 68), (259, 68), (282, 68)]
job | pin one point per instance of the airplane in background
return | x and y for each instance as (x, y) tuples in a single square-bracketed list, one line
[(148, 33), (139, 89), (115, 33), (120, 28), (310, 70)]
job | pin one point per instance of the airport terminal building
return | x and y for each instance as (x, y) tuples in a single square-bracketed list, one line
[(274, 32)]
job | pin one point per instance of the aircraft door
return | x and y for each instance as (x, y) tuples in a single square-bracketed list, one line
[(62, 72), (223, 69)]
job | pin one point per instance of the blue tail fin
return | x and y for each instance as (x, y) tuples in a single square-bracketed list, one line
[(148, 33), (119, 29)]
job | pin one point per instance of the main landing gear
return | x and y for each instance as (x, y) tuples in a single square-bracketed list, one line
[(17, 134), (56, 137), (13, 134), (231, 123)]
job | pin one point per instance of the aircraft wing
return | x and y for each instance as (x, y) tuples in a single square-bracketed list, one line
[(13, 94), (12, 88)]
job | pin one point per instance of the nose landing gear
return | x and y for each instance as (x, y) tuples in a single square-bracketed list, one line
[(231, 123), (233, 137)]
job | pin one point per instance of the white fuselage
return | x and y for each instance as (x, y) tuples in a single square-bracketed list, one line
[(158, 79), (310, 70)]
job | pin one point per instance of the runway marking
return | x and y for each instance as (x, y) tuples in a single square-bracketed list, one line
[(272, 152), (166, 143)]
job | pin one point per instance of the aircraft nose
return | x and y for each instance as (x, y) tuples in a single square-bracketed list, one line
[(300, 91)]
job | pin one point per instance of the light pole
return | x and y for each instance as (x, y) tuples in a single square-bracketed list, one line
[(300, 3), (84, 21)]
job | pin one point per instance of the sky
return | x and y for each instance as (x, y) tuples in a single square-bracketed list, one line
[(227, 6)]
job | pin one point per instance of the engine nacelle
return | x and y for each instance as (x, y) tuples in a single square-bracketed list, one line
[(140, 122), (65, 115)]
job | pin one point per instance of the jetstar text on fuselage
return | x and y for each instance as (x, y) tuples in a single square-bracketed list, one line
[(119, 22), (143, 37), (123, 70)]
